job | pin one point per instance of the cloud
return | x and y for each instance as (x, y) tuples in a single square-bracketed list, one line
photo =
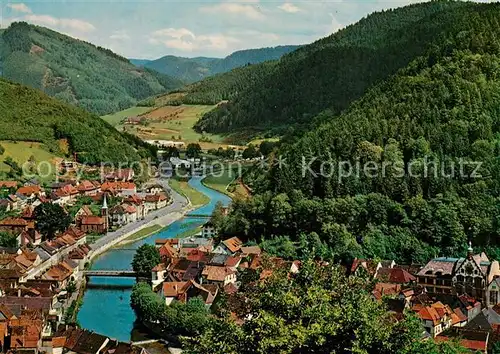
[(120, 35), (185, 40), (20, 7), (60, 23), (289, 7), (252, 12), (335, 24)]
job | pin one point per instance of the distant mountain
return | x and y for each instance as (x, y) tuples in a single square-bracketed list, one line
[(31, 115), (196, 69), (76, 71), (139, 62)]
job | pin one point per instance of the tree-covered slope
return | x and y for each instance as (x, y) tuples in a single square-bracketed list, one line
[(226, 86), (75, 71), (407, 172), (196, 69), (31, 115), (338, 69)]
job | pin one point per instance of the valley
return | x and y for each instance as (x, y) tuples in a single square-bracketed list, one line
[(169, 123), (338, 196)]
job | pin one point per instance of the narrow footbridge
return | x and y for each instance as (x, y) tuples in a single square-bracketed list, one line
[(110, 273)]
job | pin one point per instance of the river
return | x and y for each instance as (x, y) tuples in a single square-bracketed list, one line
[(108, 311)]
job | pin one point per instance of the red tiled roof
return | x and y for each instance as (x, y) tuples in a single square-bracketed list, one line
[(233, 244), (474, 345), (8, 184), (13, 222), (135, 199), (395, 275), (29, 190), (232, 261), (58, 342), (86, 186), (109, 186), (92, 220), (216, 273), (155, 198), (173, 289)]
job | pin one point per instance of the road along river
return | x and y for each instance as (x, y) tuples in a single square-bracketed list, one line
[(107, 311)]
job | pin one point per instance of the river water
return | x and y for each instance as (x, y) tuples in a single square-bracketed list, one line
[(108, 311)]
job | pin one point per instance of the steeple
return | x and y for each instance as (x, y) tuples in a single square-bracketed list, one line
[(104, 213), (470, 250)]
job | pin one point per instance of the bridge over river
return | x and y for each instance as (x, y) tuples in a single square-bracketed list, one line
[(110, 273), (106, 303)]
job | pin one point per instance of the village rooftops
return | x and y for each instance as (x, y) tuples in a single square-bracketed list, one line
[(475, 341), (92, 220), (233, 244), (59, 272), (248, 250), (8, 184), (13, 222), (29, 190), (395, 275), (214, 273), (33, 303), (87, 186)]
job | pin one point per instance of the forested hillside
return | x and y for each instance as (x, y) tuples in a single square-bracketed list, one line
[(75, 71), (195, 69), (30, 115), (226, 86), (336, 70), (435, 126)]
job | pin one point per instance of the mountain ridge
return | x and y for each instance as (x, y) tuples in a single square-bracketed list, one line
[(31, 115), (195, 69), (75, 71)]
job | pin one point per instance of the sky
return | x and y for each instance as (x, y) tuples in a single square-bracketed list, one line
[(150, 29)]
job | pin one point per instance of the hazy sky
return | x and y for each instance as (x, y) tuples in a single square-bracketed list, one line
[(151, 29)]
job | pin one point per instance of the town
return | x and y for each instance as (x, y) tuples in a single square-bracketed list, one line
[(42, 273)]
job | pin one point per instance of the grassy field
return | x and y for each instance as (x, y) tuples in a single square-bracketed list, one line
[(166, 123), (228, 182), (21, 151), (144, 232), (116, 118), (190, 232), (183, 188), (257, 142), (219, 181)]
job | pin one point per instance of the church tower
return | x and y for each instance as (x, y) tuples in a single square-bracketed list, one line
[(104, 213)]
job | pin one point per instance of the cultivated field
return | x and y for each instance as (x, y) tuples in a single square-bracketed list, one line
[(171, 123), (116, 118)]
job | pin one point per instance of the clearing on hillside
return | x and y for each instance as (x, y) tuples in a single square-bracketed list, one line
[(171, 123), (21, 152), (118, 117)]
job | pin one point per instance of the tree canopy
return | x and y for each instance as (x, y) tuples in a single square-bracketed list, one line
[(316, 311), (50, 219), (145, 259)]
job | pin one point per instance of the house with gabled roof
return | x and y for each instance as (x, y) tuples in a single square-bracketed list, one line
[(230, 246), (86, 187), (123, 214), (471, 275), (13, 225)]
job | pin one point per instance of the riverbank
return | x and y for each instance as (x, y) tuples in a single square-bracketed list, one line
[(164, 217), (182, 187), (106, 309)]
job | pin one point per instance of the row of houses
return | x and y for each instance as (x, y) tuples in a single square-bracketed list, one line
[(194, 267), (455, 298)]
